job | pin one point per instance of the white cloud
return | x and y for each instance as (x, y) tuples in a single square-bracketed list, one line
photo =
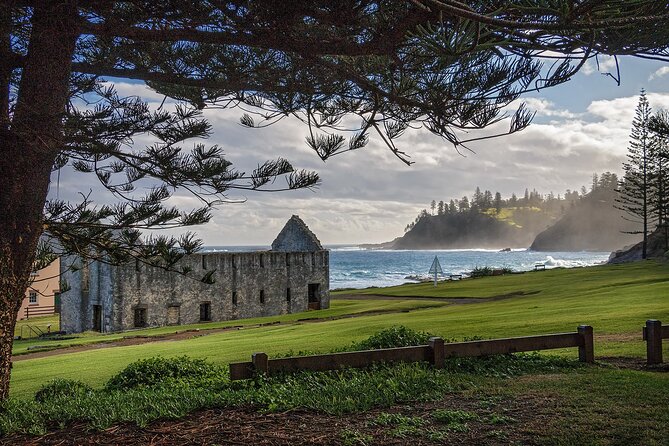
[(600, 64), (663, 71), (370, 196)]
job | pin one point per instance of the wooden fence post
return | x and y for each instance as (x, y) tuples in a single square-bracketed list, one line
[(653, 342), (260, 363), (437, 351), (586, 352)]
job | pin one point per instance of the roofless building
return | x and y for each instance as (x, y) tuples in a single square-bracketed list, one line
[(291, 277)]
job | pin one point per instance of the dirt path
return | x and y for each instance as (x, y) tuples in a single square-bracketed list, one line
[(189, 334), (184, 334), (131, 340)]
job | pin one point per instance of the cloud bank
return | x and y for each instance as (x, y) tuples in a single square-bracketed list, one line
[(370, 196)]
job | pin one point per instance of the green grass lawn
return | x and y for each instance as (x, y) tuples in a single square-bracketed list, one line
[(338, 310), (615, 300), (30, 328)]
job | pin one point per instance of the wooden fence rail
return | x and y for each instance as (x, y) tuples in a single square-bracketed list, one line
[(39, 311), (434, 353), (653, 333)]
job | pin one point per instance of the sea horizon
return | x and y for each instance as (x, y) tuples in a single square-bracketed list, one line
[(355, 267)]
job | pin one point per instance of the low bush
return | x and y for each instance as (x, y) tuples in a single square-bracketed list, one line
[(62, 388), (483, 271), (152, 371), (396, 336)]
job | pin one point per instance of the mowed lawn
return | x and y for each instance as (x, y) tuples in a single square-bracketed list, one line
[(615, 300)]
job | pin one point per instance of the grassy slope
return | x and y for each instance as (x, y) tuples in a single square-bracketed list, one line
[(341, 309), (616, 300)]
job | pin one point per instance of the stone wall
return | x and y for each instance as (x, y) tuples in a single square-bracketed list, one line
[(89, 285), (246, 285)]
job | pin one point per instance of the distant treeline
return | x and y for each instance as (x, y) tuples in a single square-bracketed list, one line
[(485, 201)]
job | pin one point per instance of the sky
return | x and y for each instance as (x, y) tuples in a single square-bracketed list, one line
[(369, 196)]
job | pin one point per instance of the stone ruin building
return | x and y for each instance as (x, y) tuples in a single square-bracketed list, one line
[(292, 277)]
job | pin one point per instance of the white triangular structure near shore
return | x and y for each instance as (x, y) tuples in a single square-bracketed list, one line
[(435, 269)]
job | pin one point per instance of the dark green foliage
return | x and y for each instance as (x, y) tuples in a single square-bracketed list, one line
[(396, 336), (63, 389), (148, 393), (504, 366), (154, 371), (482, 271), (356, 390)]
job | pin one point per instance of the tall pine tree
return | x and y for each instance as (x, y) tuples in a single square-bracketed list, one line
[(659, 125), (636, 189)]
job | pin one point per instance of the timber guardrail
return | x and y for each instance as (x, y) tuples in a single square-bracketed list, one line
[(653, 333), (39, 311), (434, 353)]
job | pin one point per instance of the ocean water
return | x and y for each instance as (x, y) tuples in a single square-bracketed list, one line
[(352, 267)]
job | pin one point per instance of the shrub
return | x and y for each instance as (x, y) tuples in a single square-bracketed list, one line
[(153, 371), (62, 388), (396, 336), (488, 271)]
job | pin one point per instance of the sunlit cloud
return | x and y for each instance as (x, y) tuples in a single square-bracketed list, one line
[(370, 196), (659, 73)]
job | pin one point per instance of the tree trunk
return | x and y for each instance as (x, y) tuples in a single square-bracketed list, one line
[(28, 149)]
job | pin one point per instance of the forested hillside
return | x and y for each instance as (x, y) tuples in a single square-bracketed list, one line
[(574, 221), (594, 223)]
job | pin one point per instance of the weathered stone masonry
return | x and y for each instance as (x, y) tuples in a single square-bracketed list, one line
[(292, 277)]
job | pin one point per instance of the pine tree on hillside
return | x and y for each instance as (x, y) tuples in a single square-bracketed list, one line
[(498, 202), (659, 125), (463, 206), (635, 187)]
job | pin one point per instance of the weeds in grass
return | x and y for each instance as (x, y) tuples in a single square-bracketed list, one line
[(501, 419), (396, 419), (490, 402), (498, 435), (504, 366), (159, 388), (351, 437), (453, 416), (402, 425)]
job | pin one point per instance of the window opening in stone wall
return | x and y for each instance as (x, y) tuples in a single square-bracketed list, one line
[(56, 302), (204, 261), (205, 311), (140, 317), (287, 259), (262, 262), (314, 295), (173, 315), (287, 294), (234, 262), (85, 276), (97, 318), (262, 296), (32, 297), (313, 259), (234, 298)]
